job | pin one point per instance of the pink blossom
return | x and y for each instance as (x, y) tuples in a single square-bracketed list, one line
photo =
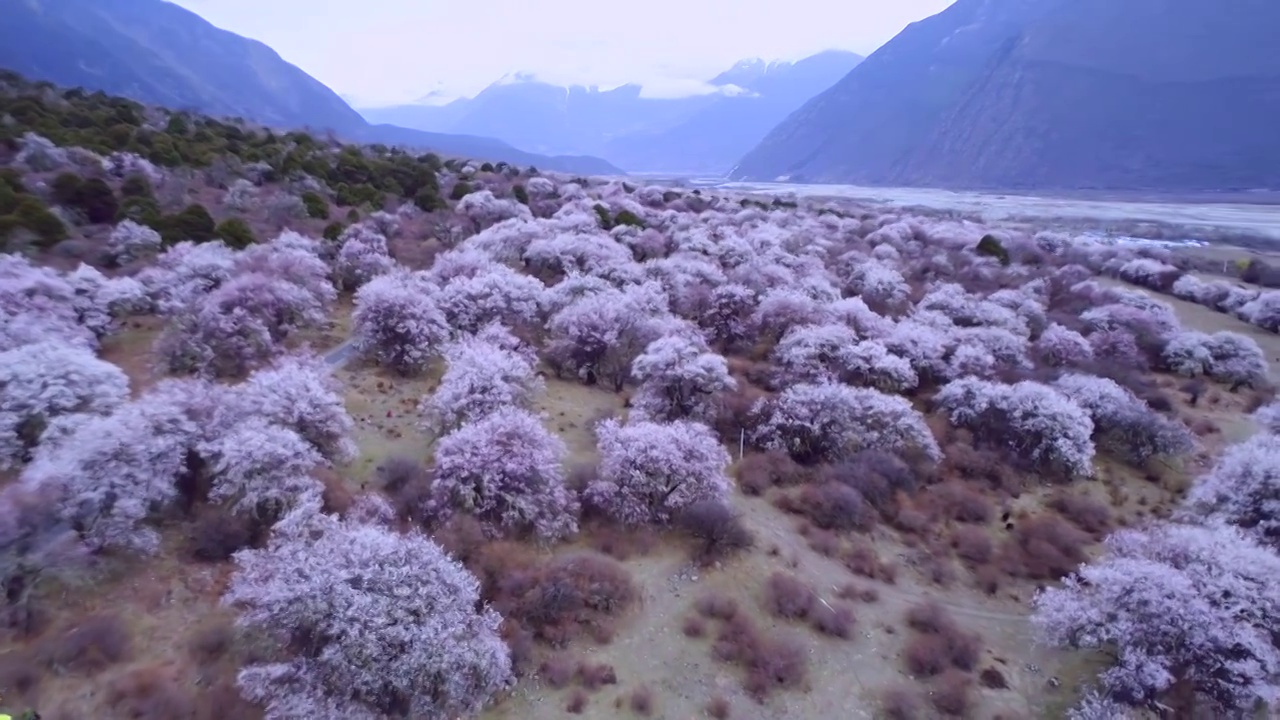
[(648, 471)]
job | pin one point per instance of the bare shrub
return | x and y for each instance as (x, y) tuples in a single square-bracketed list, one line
[(215, 536), (150, 693), (594, 676), (928, 617), (408, 485), (620, 542), (577, 702), (336, 498), (780, 663), (521, 643), (757, 472), (910, 520), (693, 627), (834, 506), (993, 679), (463, 537), (20, 674), (211, 641), (91, 645), (925, 655), (956, 501), (561, 598), (786, 596), (877, 475), (901, 703), (951, 694), (1086, 513), (823, 542), (972, 544), (1044, 547), (641, 701), (939, 570), (987, 579), (861, 559), (985, 465), (835, 620), (717, 606), (717, 529), (557, 671), (850, 591), (771, 662)]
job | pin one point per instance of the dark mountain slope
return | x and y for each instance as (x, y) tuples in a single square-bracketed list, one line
[(162, 54), (1153, 94)]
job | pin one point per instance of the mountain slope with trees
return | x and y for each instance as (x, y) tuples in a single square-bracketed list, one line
[(162, 54)]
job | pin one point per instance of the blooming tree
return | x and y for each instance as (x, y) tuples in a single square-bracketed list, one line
[(782, 309), (727, 314), (240, 325), (242, 196), (185, 272), (679, 379), (393, 626), (506, 470), (815, 353), (1243, 489), (48, 383), (486, 210), (1237, 359), (298, 392), (262, 470), (878, 284), (599, 335), (481, 379), (1263, 311), (1059, 346), (1188, 353), (34, 544), (648, 471), (39, 304), (499, 294), (129, 241), (821, 423), (1031, 420), (113, 471), (398, 323), (362, 256), (1123, 421), (1178, 607)]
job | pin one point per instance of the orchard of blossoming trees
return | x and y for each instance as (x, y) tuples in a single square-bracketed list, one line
[(856, 366)]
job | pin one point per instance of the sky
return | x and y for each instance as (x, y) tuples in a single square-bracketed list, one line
[(385, 52)]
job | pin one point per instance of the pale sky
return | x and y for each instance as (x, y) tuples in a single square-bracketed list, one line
[(382, 52)]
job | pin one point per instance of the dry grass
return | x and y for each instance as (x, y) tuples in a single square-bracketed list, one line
[(130, 349), (385, 409), (571, 411)]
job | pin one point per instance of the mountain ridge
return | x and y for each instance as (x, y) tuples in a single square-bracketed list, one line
[(160, 53), (1048, 94), (703, 133)]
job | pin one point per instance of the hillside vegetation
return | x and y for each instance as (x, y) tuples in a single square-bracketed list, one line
[(297, 429), (160, 53)]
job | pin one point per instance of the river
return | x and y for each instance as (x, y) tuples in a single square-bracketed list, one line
[(1260, 219)]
